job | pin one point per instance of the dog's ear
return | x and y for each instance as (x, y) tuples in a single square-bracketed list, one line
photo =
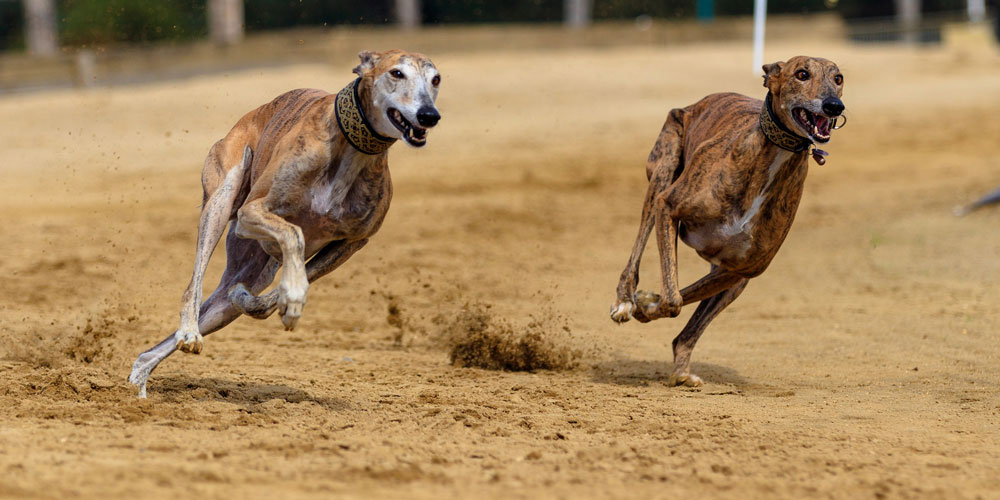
[(771, 70), (368, 60)]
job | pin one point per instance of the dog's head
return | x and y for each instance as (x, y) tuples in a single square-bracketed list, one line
[(401, 87), (805, 94)]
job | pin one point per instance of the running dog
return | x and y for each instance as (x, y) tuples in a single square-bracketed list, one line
[(305, 181), (726, 176)]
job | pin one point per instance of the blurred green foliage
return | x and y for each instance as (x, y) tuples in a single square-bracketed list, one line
[(88, 22), (84, 22), (868, 8), (271, 14), (11, 25)]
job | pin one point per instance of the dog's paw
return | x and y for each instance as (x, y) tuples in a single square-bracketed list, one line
[(652, 306), (247, 303), (647, 306), (189, 341), (290, 315), (687, 380), (291, 301), (647, 301), (621, 311)]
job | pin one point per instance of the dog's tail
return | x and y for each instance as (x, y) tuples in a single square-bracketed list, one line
[(993, 197)]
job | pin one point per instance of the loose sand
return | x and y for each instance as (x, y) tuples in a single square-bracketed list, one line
[(863, 364)]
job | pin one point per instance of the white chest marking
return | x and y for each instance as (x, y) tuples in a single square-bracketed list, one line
[(745, 223), (329, 194)]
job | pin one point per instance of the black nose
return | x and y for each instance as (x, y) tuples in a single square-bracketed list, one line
[(427, 116), (833, 106)]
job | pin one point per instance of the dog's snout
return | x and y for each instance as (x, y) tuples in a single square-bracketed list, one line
[(427, 116), (833, 106)]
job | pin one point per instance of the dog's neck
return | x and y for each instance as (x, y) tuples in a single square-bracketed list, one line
[(778, 133), (355, 125)]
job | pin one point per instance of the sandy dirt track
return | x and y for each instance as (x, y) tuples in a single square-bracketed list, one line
[(863, 364)]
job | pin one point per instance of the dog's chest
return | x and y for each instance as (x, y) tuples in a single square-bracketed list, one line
[(344, 189), (343, 200), (751, 222)]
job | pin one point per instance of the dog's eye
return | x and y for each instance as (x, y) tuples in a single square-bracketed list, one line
[(839, 79), (397, 73), (436, 80), (802, 75)]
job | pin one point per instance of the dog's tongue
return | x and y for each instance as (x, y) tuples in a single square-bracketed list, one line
[(823, 125)]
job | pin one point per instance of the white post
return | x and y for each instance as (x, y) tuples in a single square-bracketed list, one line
[(408, 13), (225, 21), (40, 31), (908, 15), (759, 16), (577, 13), (977, 10)]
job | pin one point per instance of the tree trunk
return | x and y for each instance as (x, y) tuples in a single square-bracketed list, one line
[(225, 21), (577, 13), (408, 13), (908, 17), (977, 10), (41, 35)]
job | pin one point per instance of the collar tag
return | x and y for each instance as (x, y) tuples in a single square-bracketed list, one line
[(820, 156)]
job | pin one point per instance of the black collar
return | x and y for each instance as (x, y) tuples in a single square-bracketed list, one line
[(778, 133), (355, 126)]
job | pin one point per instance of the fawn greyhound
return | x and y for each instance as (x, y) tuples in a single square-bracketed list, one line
[(726, 176), (305, 181)]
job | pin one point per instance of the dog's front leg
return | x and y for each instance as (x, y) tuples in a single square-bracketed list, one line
[(323, 263), (661, 168), (255, 221), (649, 306), (624, 306)]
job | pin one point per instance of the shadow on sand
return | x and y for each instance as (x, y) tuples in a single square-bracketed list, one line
[(633, 372), (242, 392)]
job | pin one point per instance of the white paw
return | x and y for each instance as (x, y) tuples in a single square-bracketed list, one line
[(189, 341), (291, 301), (622, 312)]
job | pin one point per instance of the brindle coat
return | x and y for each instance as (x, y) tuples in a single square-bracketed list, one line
[(719, 184), (295, 190)]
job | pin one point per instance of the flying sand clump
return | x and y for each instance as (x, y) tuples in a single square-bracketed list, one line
[(477, 338)]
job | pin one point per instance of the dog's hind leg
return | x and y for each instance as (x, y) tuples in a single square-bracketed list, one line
[(648, 304), (684, 343), (215, 214), (325, 261), (246, 263), (662, 169)]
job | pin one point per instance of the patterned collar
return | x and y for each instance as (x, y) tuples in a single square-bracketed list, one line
[(355, 126), (779, 134)]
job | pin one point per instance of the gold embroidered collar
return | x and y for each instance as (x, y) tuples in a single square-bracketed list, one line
[(779, 134), (355, 126)]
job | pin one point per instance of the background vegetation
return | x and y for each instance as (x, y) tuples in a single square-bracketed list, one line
[(88, 22)]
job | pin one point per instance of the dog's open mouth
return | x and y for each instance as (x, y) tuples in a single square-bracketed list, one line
[(816, 125), (414, 135)]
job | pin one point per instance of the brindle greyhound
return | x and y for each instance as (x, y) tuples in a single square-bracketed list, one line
[(304, 178), (726, 175)]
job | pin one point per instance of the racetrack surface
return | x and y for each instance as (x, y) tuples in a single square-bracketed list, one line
[(862, 364)]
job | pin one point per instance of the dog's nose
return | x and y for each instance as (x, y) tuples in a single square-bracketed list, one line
[(833, 106), (427, 116)]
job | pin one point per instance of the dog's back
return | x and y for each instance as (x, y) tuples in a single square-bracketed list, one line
[(261, 129), (710, 127), (719, 118)]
